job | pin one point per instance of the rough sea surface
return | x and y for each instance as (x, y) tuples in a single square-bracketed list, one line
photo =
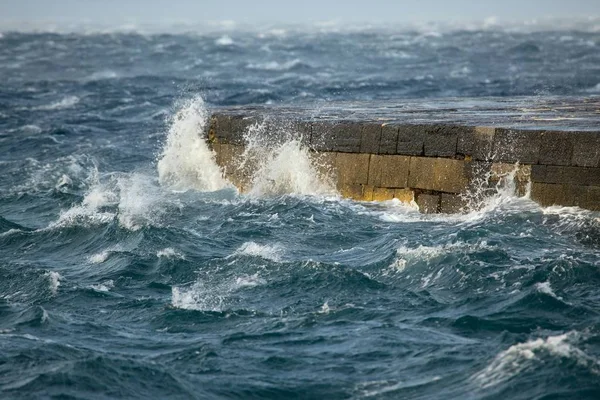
[(130, 269)]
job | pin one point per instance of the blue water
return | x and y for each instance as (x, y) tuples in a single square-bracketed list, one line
[(130, 269)]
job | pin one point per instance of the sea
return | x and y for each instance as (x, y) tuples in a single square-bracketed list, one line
[(130, 268)]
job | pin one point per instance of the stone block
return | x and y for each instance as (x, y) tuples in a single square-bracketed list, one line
[(555, 148), (439, 174), (389, 171), (382, 194), (238, 127), (441, 140), (586, 149), (451, 203), (367, 192), (428, 203), (352, 191), (522, 173), (579, 176), (476, 143), (411, 140), (370, 137), (549, 194), (346, 137), (389, 139), (219, 127), (517, 146), (302, 130), (324, 162), (404, 195), (352, 168), (321, 138)]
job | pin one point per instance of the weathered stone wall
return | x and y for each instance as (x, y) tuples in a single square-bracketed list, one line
[(433, 164)]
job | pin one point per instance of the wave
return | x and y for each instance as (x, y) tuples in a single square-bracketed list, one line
[(523, 357), (291, 65)]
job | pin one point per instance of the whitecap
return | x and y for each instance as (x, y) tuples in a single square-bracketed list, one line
[(169, 252), (55, 279), (524, 356), (67, 102), (99, 258), (544, 287), (104, 286), (268, 252), (224, 41)]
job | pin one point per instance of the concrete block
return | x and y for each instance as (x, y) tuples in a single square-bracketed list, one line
[(517, 146), (404, 195), (389, 171), (382, 194), (586, 149), (389, 139), (451, 203), (411, 140), (352, 168), (428, 203), (439, 174), (370, 137), (555, 148)]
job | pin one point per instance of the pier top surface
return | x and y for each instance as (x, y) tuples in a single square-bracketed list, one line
[(545, 113)]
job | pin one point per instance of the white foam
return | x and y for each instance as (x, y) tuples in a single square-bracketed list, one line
[(523, 356), (186, 161), (55, 279), (224, 41), (247, 281), (544, 287), (595, 89), (276, 66), (268, 252), (196, 297), (99, 258), (169, 252), (104, 286), (67, 102)]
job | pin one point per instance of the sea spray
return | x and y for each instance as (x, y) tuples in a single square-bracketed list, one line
[(186, 161), (279, 163)]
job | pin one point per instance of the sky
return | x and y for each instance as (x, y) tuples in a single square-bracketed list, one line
[(285, 11), (293, 11)]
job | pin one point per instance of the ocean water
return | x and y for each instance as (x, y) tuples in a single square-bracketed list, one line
[(129, 268)]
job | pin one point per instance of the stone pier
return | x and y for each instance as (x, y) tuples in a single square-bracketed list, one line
[(435, 153)]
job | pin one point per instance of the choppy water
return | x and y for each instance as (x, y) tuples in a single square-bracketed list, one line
[(130, 268)]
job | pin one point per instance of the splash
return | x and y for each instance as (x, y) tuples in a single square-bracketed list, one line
[(186, 161), (278, 163)]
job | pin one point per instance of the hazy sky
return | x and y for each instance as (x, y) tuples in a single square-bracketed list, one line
[(295, 11)]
